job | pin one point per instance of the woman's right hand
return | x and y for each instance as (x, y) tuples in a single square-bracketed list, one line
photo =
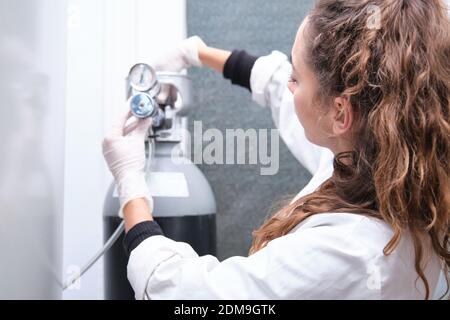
[(184, 56)]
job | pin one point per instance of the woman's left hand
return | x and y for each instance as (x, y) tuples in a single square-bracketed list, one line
[(124, 152)]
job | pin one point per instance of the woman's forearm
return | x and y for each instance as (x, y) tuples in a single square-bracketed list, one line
[(136, 211), (234, 65), (213, 57)]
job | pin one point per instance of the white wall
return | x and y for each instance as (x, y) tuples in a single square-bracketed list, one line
[(106, 37), (32, 76)]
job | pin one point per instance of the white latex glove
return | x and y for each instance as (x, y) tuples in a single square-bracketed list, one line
[(184, 56), (124, 152)]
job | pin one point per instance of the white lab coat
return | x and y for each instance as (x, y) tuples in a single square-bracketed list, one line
[(327, 256)]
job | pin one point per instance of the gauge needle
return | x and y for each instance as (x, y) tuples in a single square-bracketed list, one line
[(142, 78)]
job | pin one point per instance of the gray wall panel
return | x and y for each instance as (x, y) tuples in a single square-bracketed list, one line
[(244, 196)]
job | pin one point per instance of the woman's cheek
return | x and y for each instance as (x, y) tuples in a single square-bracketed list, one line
[(298, 103), (291, 86)]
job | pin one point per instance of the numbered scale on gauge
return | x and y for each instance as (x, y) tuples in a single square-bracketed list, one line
[(142, 78)]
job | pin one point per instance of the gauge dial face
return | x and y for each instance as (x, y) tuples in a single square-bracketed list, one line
[(143, 106), (142, 77)]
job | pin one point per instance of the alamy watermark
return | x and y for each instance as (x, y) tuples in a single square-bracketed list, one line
[(374, 19), (374, 276), (73, 273), (234, 146)]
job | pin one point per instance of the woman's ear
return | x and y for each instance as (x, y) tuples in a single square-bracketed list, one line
[(343, 116)]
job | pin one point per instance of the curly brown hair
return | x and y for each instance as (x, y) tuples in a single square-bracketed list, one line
[(397, 77)]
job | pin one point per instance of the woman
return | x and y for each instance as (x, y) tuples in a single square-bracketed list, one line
[(372, 102)]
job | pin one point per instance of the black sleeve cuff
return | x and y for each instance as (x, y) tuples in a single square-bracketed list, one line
[(139, 233), (238, 68)]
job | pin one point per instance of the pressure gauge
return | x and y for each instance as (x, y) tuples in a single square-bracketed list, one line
[(142, 77), (143, 106)]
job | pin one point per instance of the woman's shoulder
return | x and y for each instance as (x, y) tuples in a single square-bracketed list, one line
[(361, 239), (342, 220), (352, 229), (352, 234)]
